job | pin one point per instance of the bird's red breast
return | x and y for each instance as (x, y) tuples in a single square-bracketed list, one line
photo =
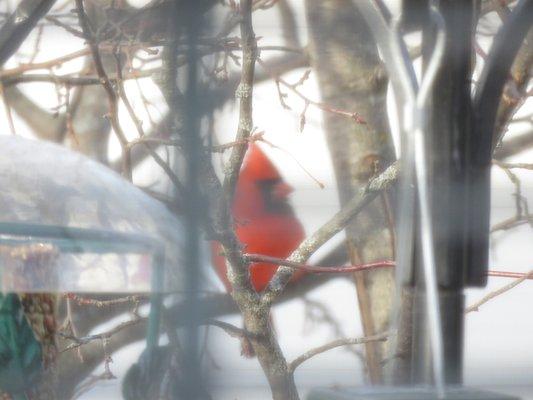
[(264, 220)]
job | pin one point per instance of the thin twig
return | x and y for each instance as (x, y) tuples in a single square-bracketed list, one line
[(519, 199), (221, 148), (69, 121), (498, 292), (325, 316), (244, 93), (102, 303), (74, 80), (329, 229), (230, 329), (305, 170), (314, 269), (512, 222), (7, 108), (293, 87), (336, 343), (509, 274), (515, 165), (55, 21), (317, 269), (514, 145), (56, 62), (108, 87), (80, 341), (138, 125), (72, 326)]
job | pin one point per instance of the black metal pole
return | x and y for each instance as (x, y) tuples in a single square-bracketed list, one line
[(450, 125), (483, 139), (191, 20)]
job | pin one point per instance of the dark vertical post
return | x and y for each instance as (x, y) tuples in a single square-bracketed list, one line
[(450, 125), (188, 22), (489, 90)]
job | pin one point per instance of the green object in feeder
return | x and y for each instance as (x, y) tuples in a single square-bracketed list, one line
[(20, 352)]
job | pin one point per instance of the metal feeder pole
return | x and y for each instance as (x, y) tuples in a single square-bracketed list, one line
[(450, 123), (189, 21), (459, 137)]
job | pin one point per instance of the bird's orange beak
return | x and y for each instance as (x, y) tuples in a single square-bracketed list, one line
[(282, 191)]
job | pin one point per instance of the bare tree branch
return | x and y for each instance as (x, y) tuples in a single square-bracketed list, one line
[(513, 146), (498, 292), (46, 125), (328, 230), (324, 107), (244, 93), (138, 125), (19, 25), (313, 269), (56, 62), (528, 166), (331, 345), (512, 222), (508, 274), (106, 83)]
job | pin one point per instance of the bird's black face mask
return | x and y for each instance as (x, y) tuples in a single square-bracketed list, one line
[(274, 193)]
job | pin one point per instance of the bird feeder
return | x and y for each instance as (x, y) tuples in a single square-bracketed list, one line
[(50, 258), (71, 225)]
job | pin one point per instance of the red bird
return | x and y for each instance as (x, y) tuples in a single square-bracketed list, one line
[(264, 220)]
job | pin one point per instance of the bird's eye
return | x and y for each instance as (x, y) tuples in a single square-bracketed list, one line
[(272, 201)]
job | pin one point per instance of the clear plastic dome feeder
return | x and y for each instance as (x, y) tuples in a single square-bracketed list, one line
[(71, 225), (48, 258)]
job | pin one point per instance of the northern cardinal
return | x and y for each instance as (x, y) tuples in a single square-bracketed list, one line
[(264, 220)]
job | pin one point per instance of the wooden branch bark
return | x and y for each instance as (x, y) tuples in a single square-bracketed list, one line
[(244, 93), (46, 125), (331, 345), (513, 146), (345, 58), (515, 92), (255, 314), (498, 292), (89, 125), (19, 24)]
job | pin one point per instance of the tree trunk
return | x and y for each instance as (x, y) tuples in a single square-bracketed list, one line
[(345, 58)]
